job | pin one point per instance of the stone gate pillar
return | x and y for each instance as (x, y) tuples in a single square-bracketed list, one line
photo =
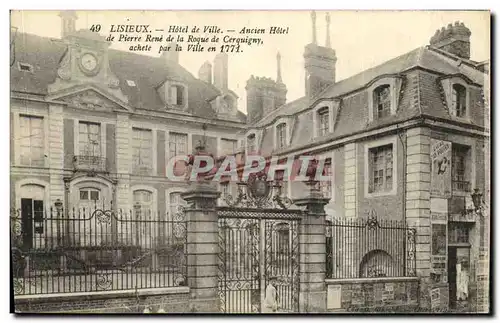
[(312, 295), (202, 246)]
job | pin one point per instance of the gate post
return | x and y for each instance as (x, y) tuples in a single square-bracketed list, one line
[(312, 295), (202, 246)]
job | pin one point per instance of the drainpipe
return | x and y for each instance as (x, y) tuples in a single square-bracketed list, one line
[(403, 205)]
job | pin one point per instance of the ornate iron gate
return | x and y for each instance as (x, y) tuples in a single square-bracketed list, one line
[(257, 243)]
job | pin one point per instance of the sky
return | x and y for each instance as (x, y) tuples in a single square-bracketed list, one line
[(361, 39)]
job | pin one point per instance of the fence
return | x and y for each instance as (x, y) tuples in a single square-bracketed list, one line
[(89, 250), (369, 247)]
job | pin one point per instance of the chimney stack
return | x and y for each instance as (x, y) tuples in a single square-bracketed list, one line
[(205, 72), (319, 62), (68, 22), (221, 71), (454, 39), (171, 55)]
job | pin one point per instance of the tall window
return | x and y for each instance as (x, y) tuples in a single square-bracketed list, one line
[(459, 167), (143, 202), (381, 163), (326, 186), (142, 150), (251, 143), (382, 101), (177, 144), (228, 146), (31, 141), (145, 232), (281, 135), (324, 121), (459, 100), (89, 138)]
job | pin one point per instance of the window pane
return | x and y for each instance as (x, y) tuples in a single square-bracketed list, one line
[(382, 168), (94, 195), (31, 141), (142, 149), (84, 195), (89, 139)]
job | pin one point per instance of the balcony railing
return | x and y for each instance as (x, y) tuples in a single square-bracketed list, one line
[(461, 186), (90, 163)]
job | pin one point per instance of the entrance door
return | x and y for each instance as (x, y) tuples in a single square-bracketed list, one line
[(252, 249), (452, 276), (31, 222)]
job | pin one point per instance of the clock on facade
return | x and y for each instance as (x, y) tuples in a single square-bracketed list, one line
[(89, 63)]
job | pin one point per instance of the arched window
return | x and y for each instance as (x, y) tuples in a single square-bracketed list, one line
[(382, 101), (377, 263), (459, 100), (281, 135), (143, 202), (323, 121)]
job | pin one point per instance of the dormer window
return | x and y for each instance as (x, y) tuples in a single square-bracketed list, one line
[(383, 97), (459, 95), (281, 135), (174, 94), (25, 67), (324, 121), (382, 101)]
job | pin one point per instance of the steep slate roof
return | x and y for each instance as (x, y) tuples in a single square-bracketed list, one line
[(146, 71), (421, 95)]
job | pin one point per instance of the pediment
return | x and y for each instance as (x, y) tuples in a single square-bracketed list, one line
[(91, 98)]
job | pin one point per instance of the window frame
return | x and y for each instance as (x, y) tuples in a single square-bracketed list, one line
[(281, 135), (89, 191), (377, 102), (136, 166), (393, 141), (322, 130), (20, 136), (176, 134), (456, 89), (227, 140), (99, 133), (466, 176)]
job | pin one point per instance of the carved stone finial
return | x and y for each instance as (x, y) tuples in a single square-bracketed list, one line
[(278, 60), (313, 18), (327, 42)]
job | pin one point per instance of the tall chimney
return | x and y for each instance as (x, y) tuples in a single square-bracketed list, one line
[(221, 71), (454, 39), (68, 22), (319, 62), (205, 72), (171, 55)]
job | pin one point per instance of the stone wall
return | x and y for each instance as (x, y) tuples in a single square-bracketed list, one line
[(171, 300), (387, 294)]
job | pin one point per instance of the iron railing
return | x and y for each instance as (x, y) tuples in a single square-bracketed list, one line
[(369, 247), (90, 163), (94, 250), (463, 186)]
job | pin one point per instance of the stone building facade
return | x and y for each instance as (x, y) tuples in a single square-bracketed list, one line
[(406, 140), (93, 125)]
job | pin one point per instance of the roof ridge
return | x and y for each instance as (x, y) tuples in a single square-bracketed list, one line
[(326, 89)]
